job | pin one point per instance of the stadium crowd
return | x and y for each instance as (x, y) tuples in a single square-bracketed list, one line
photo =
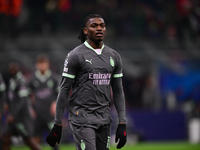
[(137, 18)]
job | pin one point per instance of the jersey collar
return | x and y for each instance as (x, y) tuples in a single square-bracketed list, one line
[(90, 47), (44, 77)]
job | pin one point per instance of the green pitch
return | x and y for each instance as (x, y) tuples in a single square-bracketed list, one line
[(138, 146)]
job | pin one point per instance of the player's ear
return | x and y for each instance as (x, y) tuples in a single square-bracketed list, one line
[(85, 30)]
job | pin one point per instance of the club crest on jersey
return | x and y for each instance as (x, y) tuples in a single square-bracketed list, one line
[(112, 62)]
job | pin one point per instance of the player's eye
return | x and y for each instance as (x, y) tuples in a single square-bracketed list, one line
[(103, 25), (93, 25)]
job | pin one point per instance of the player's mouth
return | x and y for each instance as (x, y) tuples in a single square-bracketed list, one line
[(99, 34)]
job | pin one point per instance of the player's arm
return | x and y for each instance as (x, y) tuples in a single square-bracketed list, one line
[(119, 100), (69, 72), (62, 97), (117, 88), (68, 75), (23, 94), (2, 94), (56, 132)]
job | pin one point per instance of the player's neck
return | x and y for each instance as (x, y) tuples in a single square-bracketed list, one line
[(96, 44)]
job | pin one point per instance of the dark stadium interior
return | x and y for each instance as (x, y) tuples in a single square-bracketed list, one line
[(158, 40)]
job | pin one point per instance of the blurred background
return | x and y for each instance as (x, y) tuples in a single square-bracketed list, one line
[(158, 40)]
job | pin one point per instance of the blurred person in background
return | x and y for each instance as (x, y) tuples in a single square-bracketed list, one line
[(91, 69), (19, 119), (43, 86), (2, 101)]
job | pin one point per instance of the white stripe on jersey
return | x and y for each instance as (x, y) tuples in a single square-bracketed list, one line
[(68, 75), (117, 75)]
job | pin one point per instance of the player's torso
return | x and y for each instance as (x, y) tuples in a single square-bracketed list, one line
[(44, 94), (43, 89), (95, 69), (17, 91), (91, 93)]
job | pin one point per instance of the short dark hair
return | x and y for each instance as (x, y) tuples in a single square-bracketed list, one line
[(82, 36), (42, 58)]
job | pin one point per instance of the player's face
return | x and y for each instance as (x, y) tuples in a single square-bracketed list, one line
[(13, 69), (42, 66), (95, 29)]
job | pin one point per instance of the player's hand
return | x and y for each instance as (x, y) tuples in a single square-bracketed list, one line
[(120, 135), (54, 135)]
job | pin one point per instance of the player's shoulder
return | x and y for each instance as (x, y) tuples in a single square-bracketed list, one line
[(21, 79), (111, 50), (76, 50), (33, 78), (79, 47)]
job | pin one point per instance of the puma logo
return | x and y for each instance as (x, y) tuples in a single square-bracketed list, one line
[(90, 61)]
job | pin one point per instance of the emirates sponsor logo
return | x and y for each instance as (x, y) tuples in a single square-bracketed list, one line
[(100, 78)]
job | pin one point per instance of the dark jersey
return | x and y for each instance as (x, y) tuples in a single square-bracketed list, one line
[(92, 74), (45, 89), (18, 98), (2, 93)]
